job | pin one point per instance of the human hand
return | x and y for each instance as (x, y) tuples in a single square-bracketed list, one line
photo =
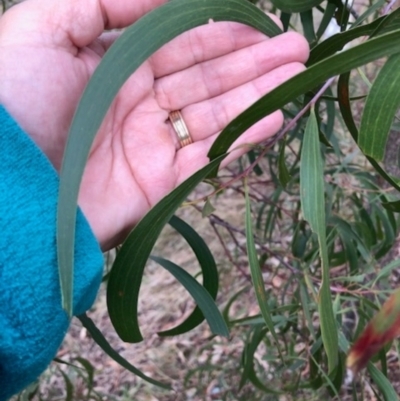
[(49, 51)]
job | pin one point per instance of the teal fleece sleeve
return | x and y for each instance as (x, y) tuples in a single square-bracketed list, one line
[(32, 322)]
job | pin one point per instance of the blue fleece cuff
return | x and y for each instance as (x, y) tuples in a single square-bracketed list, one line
[(32, 322)]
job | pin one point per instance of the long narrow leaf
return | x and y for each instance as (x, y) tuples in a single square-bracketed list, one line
[(379, 110), (326, 19), (337, 42), (127, 271), (345, 109), (208, 269), (392, 206), (389, 393), (258, 281), (249, 372), (106, 347), (69, 386), (201, 296), (368, 12), (313, 207), (371, 50), (283, 172), (134, 46), (307, 21)]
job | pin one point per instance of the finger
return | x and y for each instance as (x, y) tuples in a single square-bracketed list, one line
[(193, 157), (219, 75), (209, 117), (204, 43), (74, 22)]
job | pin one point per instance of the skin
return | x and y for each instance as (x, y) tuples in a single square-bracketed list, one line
[(49, 50)]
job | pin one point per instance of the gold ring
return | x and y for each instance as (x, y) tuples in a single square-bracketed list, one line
[(180, 128)]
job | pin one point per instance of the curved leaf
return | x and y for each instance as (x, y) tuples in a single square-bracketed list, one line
[(208, 269), (383, 383), (249, 373), (336, 42), (345, 109), (202, 297), (379, 110), (371, 50), (127, 271), (106, 347), (134, 46)]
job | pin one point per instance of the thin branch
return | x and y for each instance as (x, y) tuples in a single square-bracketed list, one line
[(389, 7)]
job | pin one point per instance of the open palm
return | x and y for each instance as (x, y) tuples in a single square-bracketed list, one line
[(211, 74)]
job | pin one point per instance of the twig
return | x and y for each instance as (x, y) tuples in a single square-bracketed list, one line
[(214, 219), (227, 253), (389, 7), (271, 141), (307, 107)]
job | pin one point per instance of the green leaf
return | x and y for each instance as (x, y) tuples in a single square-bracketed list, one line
[(201, 296), (69, 386), (311, 178), (386, 271), (389, 22), (379, 110), (225, 312), (135, 45), (285, 19), (252, 158), (326, 19), (369, 11), (248, 360), (284, 175), (313, 207), (331, 116), (389, 236), (106, 347), (336, 42), (256, 275), (346, 231), (127, 271), (371, 50), (305, 303), (384, 385), (295, 6), (392, 206), (90, 374), (272, 214), (208, 269), (345, 109), (307, 22), (208, 209)]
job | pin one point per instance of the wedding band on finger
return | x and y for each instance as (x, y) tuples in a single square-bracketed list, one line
[(180, 128)]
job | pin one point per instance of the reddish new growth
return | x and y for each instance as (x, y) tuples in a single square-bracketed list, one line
[(384, 327)]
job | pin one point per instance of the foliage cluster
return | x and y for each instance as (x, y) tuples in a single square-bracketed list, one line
[(330, 220)]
